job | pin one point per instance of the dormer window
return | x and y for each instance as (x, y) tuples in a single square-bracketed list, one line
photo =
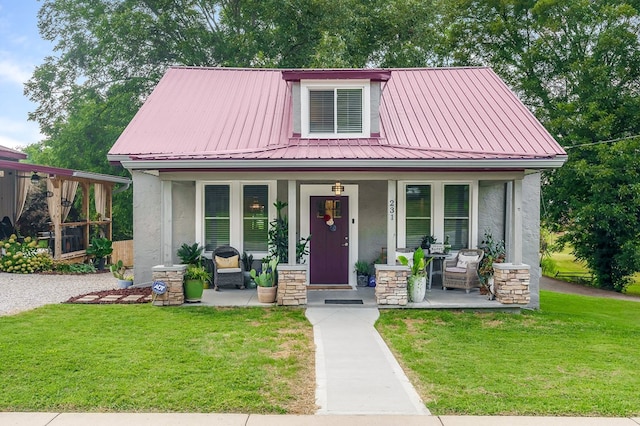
[(334, 109)]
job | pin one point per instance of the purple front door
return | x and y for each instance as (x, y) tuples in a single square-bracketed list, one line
[(329, 245)]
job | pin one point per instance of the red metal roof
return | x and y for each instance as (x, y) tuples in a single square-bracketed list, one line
[(11, 154), (246, 114)]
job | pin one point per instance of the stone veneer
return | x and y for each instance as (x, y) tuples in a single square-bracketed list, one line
[(173, 277), (391, 285), (511, 283), (292, 285)]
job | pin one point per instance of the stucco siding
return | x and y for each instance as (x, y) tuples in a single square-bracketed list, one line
[(531, 233), (147, 203), (372, 226), (183, 195)]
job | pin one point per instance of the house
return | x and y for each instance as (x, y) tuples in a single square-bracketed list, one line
[(368, 160), (68, 240)]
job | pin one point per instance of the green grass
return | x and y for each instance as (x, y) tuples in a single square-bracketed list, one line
[(145, 358), (578, 356)]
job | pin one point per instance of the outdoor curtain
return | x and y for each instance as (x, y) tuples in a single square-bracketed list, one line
[(22, 188), (100, 194), (69, 189)]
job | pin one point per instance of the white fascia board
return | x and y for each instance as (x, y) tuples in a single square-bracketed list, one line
[(546, 163), (100, 176)]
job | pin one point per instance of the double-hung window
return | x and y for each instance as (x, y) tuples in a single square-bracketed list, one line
[(335, 110), (456, 215), (418, 214), (236, 214)]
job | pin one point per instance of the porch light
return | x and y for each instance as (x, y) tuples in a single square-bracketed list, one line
[(35, 178), (337, 188)]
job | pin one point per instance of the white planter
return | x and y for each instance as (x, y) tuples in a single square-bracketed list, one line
[(417, 288)]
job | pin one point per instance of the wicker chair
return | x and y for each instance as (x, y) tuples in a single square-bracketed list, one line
[(462, 270), (227, 276)]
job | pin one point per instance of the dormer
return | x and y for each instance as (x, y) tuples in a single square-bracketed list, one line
[(336, 104)]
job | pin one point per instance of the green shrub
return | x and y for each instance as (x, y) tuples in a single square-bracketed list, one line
[(22, 257), (74, 268)]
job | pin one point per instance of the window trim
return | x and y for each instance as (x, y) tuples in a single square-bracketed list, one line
[(437, 209), (308, 85), (236, 231)]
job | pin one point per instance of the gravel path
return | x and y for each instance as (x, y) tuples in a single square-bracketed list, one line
[(21, 292)]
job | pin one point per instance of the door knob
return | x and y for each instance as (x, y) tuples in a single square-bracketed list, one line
[(345, 245)]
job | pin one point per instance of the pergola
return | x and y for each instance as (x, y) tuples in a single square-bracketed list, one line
[(13, 173)]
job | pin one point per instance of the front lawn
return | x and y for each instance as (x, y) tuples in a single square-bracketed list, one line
[(578, 356), (145, 358)]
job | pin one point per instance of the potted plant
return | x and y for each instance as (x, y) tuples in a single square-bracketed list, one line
[(100, 248), (247, 263), (426, 242), (494, 252), (194, 278), (362, 272), (447, 245), (118, 271), (266, 280), (190, 254), (417, 281)]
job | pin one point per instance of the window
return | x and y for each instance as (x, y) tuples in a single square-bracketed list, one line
[(418, 214), (255, 218), (216, 216), (456, 215), (335, 109)]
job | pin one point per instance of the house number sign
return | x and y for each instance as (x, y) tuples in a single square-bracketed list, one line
[(392, 209), (159, 287)]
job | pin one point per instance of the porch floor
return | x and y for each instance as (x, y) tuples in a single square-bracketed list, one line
[(434, 299)]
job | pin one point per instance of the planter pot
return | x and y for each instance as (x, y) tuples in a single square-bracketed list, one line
[(417, 288), (193, 290), (99, 263), (363, 280), (267, 294), (124, 283)]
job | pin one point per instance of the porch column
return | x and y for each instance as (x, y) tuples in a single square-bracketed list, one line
[(293, 221), (392, 208), (516, 216), (166, 223), (56, 216)]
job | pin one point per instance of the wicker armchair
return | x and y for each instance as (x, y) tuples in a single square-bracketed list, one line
[(462, 270), (227, 268)]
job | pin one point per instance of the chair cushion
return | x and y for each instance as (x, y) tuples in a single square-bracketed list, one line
[(464, 260), (228, 270), (227, 262), (456, 269)]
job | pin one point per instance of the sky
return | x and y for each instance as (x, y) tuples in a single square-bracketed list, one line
[(21, 50)]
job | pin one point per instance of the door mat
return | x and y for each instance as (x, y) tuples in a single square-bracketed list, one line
[(343, 302)]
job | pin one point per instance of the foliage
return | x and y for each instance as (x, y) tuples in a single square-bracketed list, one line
[(445, 352), (113, 374), (494, 252), (427, 240), (278, 237), (195, 272), (418, 264), (190, 254), (118, 270), (22, 257), (267, 275), (73, 268), (362, 267), (100, 247)]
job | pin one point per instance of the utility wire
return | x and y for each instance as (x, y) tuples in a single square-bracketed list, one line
[(601, 142)]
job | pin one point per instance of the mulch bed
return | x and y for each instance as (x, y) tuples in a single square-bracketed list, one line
[(119, 296)]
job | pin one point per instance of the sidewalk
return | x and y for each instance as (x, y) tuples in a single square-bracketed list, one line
[(172, 419)]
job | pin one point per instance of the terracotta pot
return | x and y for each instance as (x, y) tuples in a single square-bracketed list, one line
[(267, 294)]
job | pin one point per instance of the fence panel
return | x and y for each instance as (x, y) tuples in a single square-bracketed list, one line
[(123, 250)]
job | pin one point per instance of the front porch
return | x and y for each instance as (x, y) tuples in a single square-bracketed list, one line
[(435, 299)]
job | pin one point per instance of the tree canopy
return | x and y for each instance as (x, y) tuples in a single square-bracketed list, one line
[(575, 63)]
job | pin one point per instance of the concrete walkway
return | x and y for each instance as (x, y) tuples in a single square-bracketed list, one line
[(355, 370)]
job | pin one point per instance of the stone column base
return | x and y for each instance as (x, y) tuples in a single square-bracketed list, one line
[(391, 285), (292, 285), (511, 283), (173, 277)]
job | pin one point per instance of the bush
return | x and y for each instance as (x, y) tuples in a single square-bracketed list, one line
[(74, 268), (22, 257)]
